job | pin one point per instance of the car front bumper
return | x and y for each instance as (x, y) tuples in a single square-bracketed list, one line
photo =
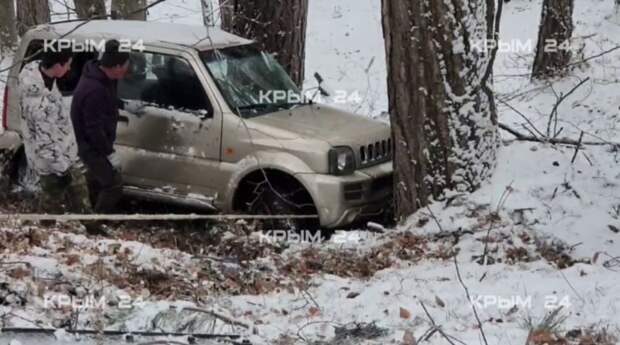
[(342, 200)]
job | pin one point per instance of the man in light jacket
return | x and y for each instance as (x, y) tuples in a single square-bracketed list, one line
[(49, 140)]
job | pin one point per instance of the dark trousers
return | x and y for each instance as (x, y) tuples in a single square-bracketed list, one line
[(105, 184)]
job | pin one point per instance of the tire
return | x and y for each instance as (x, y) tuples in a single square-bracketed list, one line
[(282, 198)]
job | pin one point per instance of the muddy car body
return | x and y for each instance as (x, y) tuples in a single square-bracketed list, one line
[(204, 140)]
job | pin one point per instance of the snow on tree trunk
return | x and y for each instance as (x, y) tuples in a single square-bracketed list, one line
[(553, 48), (442, 114), (31, 13), (90, 8), (7, 25), (278, 26), (126, 9)]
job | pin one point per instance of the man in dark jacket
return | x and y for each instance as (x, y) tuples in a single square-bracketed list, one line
[(94, 112)]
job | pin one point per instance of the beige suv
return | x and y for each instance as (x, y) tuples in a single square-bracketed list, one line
[(213, 135)]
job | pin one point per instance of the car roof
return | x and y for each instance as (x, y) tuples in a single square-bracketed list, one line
[(200, 37)]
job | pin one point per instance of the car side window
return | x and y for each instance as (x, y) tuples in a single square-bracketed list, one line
[(165, 81)]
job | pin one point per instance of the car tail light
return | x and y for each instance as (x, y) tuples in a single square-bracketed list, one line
[(5, 109)]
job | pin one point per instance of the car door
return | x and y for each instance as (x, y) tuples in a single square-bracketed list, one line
[(173, 146)]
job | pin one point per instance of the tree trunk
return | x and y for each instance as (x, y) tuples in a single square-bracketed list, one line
[(207, 13), (8, 36), (553, 48), (90, 8), (31, 13), (442, 115), (279, 27), (126, 9)]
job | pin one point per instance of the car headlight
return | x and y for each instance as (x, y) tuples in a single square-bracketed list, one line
[(341, 160)]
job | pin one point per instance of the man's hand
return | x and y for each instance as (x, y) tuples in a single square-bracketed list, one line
[(134, 107), (115, 161)]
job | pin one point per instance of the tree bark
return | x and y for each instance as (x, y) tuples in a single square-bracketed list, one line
[(207, 13), (31, 13), (125, 9), (8, 36), (443, 122), (279, 27), (90, 8), (553, 48)]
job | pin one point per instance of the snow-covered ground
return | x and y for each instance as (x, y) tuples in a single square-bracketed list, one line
[(547, 223)]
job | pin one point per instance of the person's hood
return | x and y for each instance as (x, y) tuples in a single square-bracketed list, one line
[(92, 71), (30, 80)]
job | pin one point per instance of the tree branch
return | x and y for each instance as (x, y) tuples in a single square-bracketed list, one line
[(458, 274), (554, 111), (564, 141)]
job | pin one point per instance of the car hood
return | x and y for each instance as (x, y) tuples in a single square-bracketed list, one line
[(334, 126)]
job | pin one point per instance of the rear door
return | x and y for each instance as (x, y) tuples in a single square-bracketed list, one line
[(174, 146)]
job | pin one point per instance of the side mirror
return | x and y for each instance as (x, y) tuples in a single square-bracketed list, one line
[(201, 114), (318, 77), (321, 89)]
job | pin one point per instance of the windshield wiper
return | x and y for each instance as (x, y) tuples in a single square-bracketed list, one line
[(255, 106)]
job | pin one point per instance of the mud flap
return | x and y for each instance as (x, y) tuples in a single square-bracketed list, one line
[(10, 142), (6, 169)]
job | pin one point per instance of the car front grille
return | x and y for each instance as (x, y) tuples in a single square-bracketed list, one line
[(375, 153)]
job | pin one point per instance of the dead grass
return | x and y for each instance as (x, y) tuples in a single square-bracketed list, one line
[(591, 336), (557, 253)]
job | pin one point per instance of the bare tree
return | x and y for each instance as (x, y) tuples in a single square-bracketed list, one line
[(89, 8), (126, 9), (442, 109), (279, 26), (31, 13), (7, 25), (553, 50)]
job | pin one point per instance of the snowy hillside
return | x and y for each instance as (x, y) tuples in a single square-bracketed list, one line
[(543, 233)]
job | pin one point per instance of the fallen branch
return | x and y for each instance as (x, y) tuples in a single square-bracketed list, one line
[(594, 56), (522, 115), (428, 334), (141, 217), (572, 161), (554, 111), (564, 141), (52, 331), (216, 315), (473, 307)]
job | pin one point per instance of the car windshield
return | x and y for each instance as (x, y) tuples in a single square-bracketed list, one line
[(252, 81)]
